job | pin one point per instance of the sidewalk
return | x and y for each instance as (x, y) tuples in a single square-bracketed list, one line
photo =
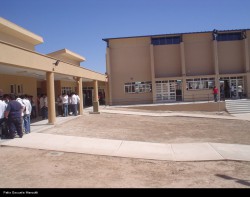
[(133, 149)]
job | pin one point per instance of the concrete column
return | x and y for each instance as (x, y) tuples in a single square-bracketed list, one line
[(247, 67), (106, 91), (216, 65), (183, 70), (152, 66), (80, 94), (215, 55), (248, 85), (51, 97), (108, 69), (96, 102), (183, 62)]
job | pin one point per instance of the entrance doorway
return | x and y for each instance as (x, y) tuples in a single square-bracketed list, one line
[(87, 97), (229, 85), (169, 90)]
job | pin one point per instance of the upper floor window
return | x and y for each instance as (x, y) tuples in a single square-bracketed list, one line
[(229, 36), (166, 40)]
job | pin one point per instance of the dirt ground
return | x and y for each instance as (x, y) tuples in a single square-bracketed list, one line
[(30, 168)]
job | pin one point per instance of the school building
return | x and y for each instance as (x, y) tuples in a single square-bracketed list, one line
[(178, 67), (24, 71)]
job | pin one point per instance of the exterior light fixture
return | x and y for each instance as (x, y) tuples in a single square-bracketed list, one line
[(57, 62)]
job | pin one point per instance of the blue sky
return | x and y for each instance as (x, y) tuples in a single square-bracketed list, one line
[(80, 25)]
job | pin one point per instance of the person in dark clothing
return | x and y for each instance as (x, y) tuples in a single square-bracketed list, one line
[(14, 118)]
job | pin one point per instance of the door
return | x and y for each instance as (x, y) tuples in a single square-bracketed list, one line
[(165, 91)]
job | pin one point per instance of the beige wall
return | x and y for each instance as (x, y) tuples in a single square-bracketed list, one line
[(58, 88), (248, 36), (231, 57), (167, 60), (91, 84), (198, 54), (198, 95), (28, 83), (130, 62), (15, 41)]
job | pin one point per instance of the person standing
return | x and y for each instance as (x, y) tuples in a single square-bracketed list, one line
[(59, 105), (3, 106), (14, 118), (232, 90), (44, 106), (75, 99), (27, 113), (240, 90), (215, 93), (65, 102)]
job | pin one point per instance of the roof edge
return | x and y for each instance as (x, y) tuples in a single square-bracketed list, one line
[(168, 34), (22, 33), (65, 51)]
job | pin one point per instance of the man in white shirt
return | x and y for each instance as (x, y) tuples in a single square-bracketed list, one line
[(232, 91), (65, 101), (27, 112), (3, 107), (74, 100)]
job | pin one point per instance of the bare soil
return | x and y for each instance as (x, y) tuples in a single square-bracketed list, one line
[(31, 168)]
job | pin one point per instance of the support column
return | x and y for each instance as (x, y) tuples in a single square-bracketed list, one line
[(79, 92), (106, 91), (247, 67), (109, 75), (96, 102), (51, 97), (216, 66), (183, 71), (152, 66)]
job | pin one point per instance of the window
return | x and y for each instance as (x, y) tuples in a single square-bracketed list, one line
[(138, 87), (67, 90), (16, 89), (13, 89), (200, 83), (166, 40), (229, 36)]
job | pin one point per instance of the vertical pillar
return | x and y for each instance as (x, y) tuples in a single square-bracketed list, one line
[(215, 55), (152, 66), (247, 67), (183, 71), (108, 68), (96, 102), (216, 65), (51, 97), (79, 92), (106, 91)]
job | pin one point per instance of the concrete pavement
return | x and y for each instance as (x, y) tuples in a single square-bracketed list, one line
[(132, 149)]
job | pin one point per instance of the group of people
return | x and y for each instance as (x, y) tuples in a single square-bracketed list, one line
[(232, 92), (68, 104), (15, 112)]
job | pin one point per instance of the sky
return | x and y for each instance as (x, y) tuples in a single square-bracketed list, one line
[(80, 25)]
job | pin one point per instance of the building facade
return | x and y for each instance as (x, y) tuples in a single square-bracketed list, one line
[(178, 67)]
